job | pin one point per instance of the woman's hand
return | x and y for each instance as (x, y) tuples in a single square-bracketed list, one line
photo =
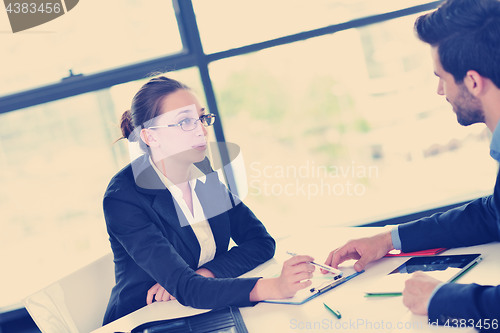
[(159, 294), (205, 272), (295, 275)]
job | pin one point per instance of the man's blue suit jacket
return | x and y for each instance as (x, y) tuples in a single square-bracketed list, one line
[(150, 245), (477, 222)]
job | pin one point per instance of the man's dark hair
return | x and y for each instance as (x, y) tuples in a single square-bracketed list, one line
[(467, 35)]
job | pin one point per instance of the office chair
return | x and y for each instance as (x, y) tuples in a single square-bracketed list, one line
[(77, 302)]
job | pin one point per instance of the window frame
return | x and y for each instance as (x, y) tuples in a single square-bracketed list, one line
[(191, 55)]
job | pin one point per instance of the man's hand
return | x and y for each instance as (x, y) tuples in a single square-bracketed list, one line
[(365, 250), (418, 290)]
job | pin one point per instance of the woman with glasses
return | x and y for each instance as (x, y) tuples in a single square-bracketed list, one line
[(170, 219)]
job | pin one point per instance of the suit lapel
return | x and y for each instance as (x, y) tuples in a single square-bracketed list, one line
[(167, 208), (148, 182)]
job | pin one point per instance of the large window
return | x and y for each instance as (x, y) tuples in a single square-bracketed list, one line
[(94, 36), (347, 129), (56, 161), (226, 24)]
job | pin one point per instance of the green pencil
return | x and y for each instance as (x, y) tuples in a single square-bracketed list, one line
[(335, 312), (383, 294)]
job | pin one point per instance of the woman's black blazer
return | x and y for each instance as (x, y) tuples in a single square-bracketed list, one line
[(152, 243)]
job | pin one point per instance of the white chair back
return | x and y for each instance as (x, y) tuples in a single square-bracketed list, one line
[(77, 302)]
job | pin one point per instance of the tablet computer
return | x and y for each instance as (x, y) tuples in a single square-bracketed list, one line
[(446, 268)]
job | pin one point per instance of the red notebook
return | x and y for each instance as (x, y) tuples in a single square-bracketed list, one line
[(429, 252)]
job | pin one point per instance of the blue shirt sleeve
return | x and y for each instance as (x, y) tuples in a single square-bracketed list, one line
[(396, 241), (495, 143)]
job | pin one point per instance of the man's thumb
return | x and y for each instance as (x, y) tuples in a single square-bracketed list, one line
[(360, 264)]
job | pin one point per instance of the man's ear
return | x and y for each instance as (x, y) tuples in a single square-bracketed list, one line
[(474, 83), (149, 137)]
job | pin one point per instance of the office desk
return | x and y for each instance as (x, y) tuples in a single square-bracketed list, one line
[(359, 314)]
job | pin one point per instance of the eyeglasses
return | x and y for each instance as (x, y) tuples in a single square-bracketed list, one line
[(189, 124)]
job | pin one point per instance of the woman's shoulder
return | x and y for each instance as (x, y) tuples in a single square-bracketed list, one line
[(125, 179), (122, 181), (136, 176)]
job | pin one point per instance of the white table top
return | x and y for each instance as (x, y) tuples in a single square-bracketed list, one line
[(359, 314)]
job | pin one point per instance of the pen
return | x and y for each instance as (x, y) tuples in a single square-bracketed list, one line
[(383, 294), (326, 268), (336, 313)]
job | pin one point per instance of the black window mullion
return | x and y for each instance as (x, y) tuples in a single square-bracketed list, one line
[(192, 55), (193, 39), (192, 36), (355, 23), (80, 84)]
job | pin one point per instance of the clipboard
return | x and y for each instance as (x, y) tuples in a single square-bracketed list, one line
[(321, 284)]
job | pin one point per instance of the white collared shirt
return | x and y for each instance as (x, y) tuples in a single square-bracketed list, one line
[(197, 219)]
